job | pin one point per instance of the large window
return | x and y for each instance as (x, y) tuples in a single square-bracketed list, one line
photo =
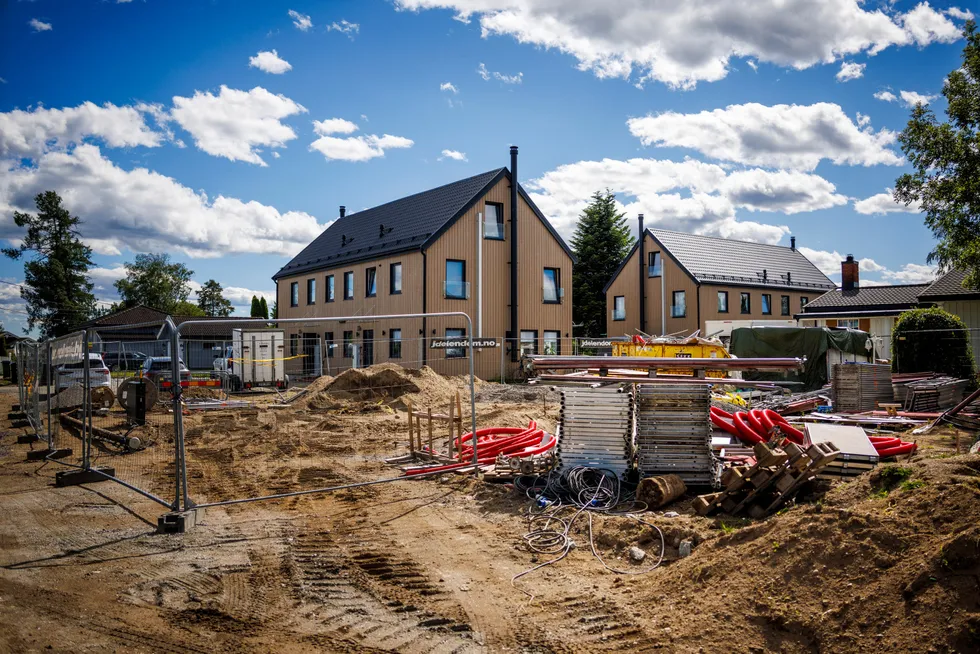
[(784, 305), (395, 278), (455, 352), (529, 341), (804, 300), (294, 294), (330, 297), (493, 221), (371, 282), (552, 342), (619, 307), (348, 344), (654, 265), (722, 301), (455, 286), (678, 305), (395, 344), (311, 291), (552, 285), (766, 304), (746, 303), (349, 285), (329, 344), (849, 323)]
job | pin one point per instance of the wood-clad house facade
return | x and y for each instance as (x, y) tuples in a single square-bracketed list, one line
[(688, 280), (448, 249)]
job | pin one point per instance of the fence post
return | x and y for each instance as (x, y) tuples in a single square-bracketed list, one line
[(48, 395), (180, 469), (18, 349), (86, 404)]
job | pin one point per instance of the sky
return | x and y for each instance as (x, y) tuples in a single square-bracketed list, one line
[(227, 133)]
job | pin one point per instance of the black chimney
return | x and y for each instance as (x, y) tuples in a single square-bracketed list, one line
[(515, 343), (792, 243), (643, 277), (343, 211)]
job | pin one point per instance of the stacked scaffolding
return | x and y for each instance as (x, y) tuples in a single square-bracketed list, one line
[(673, 433), (861, 386), (596, 429)]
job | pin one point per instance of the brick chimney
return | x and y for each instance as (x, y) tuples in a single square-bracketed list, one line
[(849, 274)]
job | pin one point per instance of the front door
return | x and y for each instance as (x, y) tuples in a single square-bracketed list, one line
[(368, 347), (310, 352)]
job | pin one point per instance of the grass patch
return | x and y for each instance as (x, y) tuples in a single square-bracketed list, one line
[(912, 484)]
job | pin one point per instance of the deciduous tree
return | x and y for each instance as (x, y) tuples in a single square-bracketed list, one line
[(212, 301), (153, 280), (946, 158)]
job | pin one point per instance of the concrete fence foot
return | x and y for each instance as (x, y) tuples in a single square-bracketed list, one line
[(76, 477), (179, 522)]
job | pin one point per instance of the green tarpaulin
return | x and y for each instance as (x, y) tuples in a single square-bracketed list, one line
[(810, 342)]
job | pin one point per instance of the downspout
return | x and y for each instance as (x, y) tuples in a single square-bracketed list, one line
[(663, 296), (479, 275), (513, 254), (699, 309), (425, 309), (643, 295)]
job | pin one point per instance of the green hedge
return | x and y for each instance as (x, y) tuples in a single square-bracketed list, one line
[(932, 340)]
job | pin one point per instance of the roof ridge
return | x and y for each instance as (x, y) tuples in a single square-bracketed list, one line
[(722, 238)]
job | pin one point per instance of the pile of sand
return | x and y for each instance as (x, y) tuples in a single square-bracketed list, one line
[(384, 382)]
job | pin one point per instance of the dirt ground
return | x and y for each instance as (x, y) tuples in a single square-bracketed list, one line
[(888, 562)]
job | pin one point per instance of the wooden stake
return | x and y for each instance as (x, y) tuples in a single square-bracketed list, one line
[(431, 449), (411, 433), (451, 428)]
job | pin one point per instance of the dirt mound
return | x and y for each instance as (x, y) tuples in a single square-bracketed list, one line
[(203, 393), (517, 393), (888, 561), (384, 382)]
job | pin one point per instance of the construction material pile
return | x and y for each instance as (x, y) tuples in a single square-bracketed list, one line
[(673, 433), (596, 429), (861, 386), (774, 479), (929, 392), (492, 445)]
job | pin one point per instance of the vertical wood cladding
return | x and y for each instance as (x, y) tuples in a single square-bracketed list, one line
[(538, 249)]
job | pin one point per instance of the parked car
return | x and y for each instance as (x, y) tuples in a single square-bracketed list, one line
[(73, 373), (124, 361), (159, 370)]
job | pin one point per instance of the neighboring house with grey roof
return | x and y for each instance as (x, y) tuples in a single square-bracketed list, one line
[(875, 309), (689, 279), (477, 245)]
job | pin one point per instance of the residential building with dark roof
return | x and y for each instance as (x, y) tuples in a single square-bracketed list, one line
[(875, 309), (456, 247), (674, 282)]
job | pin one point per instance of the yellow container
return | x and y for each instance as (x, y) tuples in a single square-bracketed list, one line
[(693, 348)]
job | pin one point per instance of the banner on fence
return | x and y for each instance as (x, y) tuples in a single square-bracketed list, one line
[(67, 350)]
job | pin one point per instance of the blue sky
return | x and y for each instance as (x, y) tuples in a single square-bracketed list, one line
[(749, 123)]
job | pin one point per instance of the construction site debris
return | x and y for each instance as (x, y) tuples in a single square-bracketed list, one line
[(656, 492), (776, 477), (673, 433), (861, 386), (858, 454), (929, 392), (596, 429)]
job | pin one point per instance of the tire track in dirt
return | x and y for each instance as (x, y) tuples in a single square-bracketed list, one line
[(326, 577)]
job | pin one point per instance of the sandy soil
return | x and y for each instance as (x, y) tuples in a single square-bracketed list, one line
[(887, 562)]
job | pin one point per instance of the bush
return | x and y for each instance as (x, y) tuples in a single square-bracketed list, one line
[(932, 340)]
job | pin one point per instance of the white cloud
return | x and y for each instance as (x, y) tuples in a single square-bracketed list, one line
[(456, 155), (962, 14), (301, 21), (29, 133), (911, 98), (784, 136), (912, 273), (145, 211), (883, 203), (754, 66), (850, 70), (104, 278), (683, 43), (350, 29), (39, 26), (500, 77), (334, 126), (232, 123), (908, 98), (352, 148), (269, 62), (827, 262), (862, 119), (688, 196), (448, 86)]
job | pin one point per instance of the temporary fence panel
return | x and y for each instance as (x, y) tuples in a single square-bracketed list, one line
[(66, 397), (246, 445)]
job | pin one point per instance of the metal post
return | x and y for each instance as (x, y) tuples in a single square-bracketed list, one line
[(18, 348), (48, 378), (86, 404), (503, 352), (180, 468)]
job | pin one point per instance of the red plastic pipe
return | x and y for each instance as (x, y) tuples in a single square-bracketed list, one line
[(904, 448)]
